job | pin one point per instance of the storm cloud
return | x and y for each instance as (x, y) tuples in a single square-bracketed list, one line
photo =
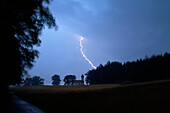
[(115, 30)]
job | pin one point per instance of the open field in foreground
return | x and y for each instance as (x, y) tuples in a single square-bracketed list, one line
[(151, 97)]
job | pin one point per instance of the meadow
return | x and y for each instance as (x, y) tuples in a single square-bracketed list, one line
[(149, 97)]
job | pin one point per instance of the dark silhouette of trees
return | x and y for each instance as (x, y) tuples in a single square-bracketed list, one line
[(34, 81), (56, 79), (68, 79), (87, 79), (141, 70), (21, 24), (27, 82), (37, 80)]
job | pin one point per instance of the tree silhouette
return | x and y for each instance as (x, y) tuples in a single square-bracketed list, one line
[(34, 81), (148, 69), (56, 79), (21, 24), (37, 80), (68, 79), (87, 79), (27, 82)]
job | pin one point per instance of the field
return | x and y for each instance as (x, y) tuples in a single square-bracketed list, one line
[(151, 97)]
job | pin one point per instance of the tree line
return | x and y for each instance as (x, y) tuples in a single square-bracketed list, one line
[(37, 80), (141, 70)]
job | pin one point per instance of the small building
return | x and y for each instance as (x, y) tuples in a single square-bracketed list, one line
[(79, 82)]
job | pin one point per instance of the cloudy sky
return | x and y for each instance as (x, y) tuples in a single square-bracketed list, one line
[(113, 30)]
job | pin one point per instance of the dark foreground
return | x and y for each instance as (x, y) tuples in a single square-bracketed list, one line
[(153, 97), (10, 103)]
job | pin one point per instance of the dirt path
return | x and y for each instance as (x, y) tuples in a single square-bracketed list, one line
[(13, 104)]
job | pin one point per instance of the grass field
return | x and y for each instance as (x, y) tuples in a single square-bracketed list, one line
[(151, 97)]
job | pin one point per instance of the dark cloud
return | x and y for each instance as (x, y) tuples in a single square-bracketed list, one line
[(133, 27)]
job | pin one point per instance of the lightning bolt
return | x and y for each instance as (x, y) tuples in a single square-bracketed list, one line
[(81, 49)]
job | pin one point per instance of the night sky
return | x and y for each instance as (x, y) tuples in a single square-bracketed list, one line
[(113, 30)]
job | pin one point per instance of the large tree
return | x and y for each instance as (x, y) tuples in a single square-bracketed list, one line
[(21, 24), (37, 80), (68, 79), (56, 79)]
